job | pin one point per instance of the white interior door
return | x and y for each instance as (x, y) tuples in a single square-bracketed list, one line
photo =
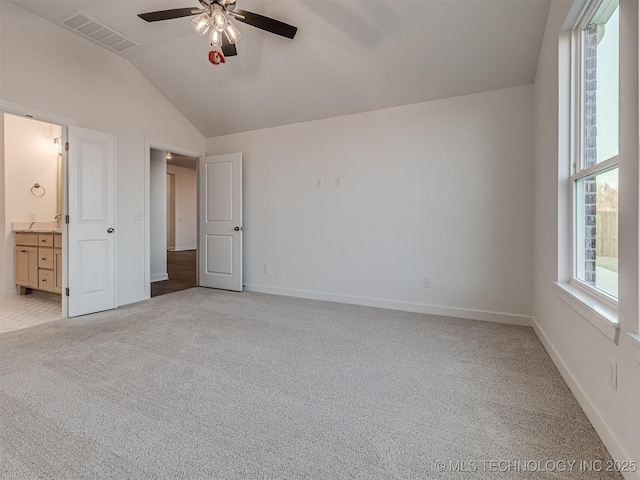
[(91, 229), (220, 221)]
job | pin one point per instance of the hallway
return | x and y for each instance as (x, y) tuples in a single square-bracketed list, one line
[(181, 267)]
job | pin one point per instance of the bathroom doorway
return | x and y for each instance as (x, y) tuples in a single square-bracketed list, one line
[(32, 260), (173, 221)]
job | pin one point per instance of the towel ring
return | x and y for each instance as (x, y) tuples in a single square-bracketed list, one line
[(36, 186)]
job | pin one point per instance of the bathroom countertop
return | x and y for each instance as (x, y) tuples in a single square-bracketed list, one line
[(36, 227)]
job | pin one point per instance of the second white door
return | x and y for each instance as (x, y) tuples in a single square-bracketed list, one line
[(220, 221)]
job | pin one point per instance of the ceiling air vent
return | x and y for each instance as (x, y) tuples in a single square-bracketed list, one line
[(98, 32)]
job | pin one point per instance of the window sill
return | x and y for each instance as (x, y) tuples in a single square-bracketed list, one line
[(596, 312)]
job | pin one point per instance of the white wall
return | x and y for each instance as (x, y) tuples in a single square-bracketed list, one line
[(49, 68), (158, 215), (581, 352), (3, 241), (440, 189), (171, 207), (30, 157), (186, 207)]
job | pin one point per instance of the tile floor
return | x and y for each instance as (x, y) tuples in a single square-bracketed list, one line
[(22, 311)]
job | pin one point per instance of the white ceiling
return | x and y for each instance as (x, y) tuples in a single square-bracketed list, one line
[(349, 56)]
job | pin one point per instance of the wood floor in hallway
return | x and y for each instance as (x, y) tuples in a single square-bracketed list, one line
[(181, 267)]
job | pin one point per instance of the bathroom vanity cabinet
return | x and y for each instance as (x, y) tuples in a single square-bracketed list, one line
[(38, 262)]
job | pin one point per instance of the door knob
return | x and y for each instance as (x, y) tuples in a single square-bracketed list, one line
[(110, 230), (237, 229)]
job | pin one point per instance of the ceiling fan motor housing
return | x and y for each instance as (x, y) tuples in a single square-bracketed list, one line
[(228, 4)]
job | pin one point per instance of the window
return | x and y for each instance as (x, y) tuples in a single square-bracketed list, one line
[(594, 177)]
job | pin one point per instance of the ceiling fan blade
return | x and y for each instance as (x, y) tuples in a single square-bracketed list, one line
[(168, 14), (228, 49), (266, 23)]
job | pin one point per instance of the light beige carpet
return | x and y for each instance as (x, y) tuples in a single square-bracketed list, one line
[(210, 384)]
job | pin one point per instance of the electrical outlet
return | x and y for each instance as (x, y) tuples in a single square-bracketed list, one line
[(425, 282), (613, 375), (338, 182), (266, 268), (32, 216)]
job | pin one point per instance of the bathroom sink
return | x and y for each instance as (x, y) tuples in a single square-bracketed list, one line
[(44, 230), (37, 227)]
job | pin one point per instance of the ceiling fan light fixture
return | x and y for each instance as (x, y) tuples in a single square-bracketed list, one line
[(232, 33), (212, 19), (218, 20), (201, 23), (216, 38)]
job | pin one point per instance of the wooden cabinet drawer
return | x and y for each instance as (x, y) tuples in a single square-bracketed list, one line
[(27, 239), (45, 280), (57, 241), (45, 258), (45, 240)]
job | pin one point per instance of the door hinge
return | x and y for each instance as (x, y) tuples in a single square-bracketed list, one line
[(66, 146), (67, 291), (66, 219)]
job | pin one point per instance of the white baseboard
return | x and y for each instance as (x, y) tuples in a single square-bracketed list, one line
[(606, 434), (121, 302), (181, 249), (12, 292), (471, 314), (159, 277)]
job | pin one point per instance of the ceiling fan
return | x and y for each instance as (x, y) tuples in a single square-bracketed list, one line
[(212, 17)]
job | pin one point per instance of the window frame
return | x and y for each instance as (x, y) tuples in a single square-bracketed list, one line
[(577, 172)]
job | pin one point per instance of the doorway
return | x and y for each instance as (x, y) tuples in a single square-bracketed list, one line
[(173, 222), (32, 254), (62, 248)]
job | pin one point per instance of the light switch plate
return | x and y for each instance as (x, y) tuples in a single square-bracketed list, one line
[(613, 375)]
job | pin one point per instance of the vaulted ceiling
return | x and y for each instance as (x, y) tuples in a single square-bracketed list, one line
[(349, 56)]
